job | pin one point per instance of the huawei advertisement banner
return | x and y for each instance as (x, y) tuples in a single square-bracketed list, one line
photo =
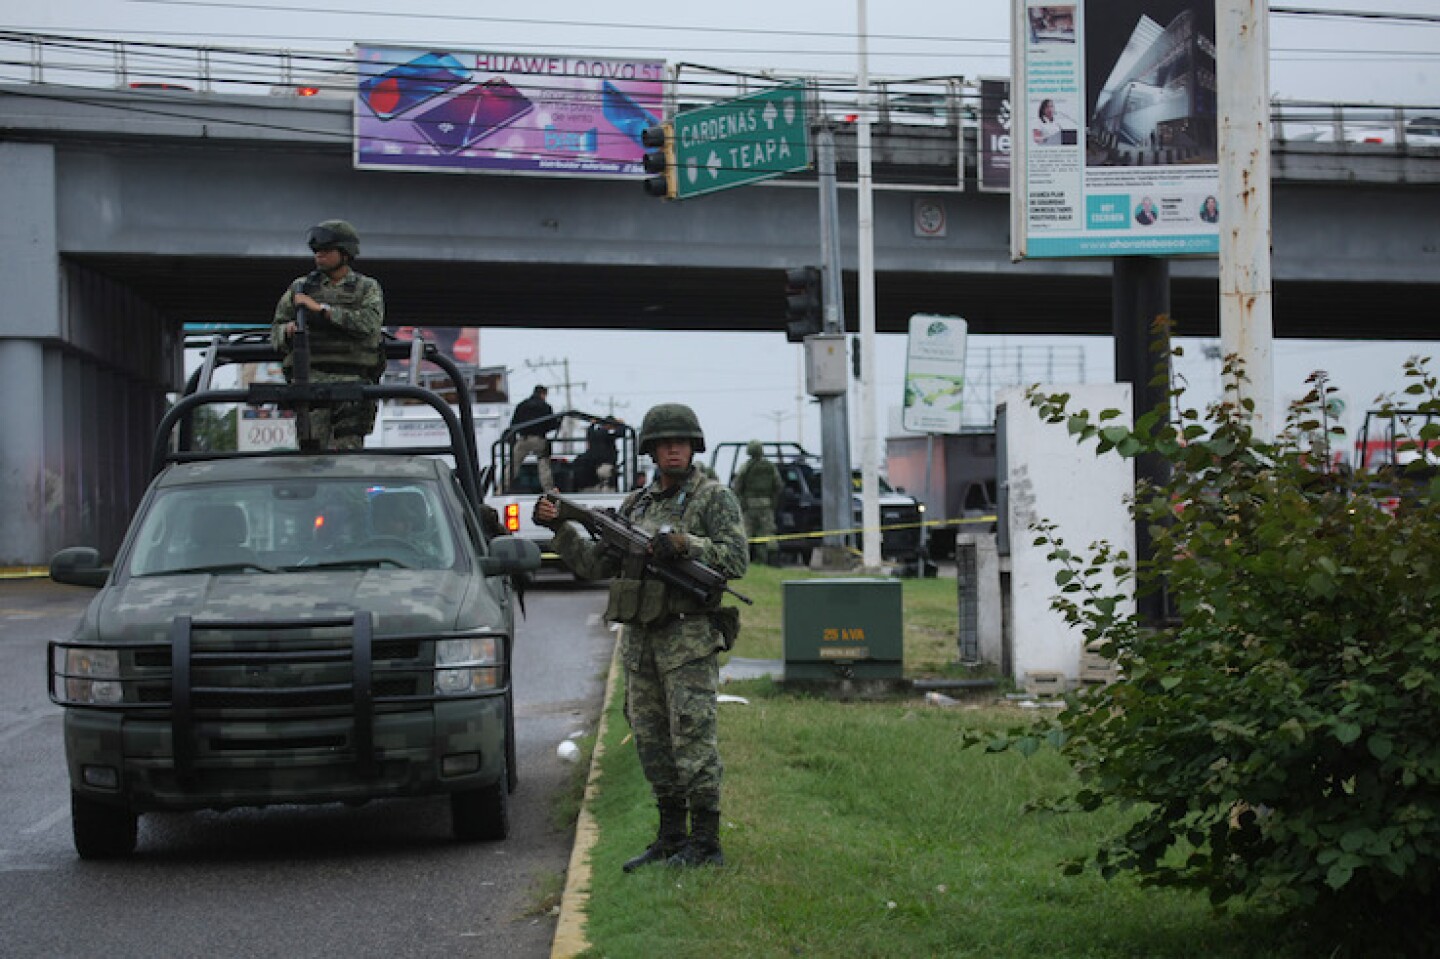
[(479, 112), (1114, 129)]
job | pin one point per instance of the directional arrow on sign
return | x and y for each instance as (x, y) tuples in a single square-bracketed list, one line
[(742, 141)]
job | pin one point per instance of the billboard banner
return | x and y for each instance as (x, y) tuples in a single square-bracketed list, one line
[(995, 135), (1116, 149), (464, 111), (934, 374)]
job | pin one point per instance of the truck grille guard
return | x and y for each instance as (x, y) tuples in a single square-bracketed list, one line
[(183, 676)]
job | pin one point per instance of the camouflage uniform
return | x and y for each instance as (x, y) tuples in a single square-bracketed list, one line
[(344, 348), (671, 669), (669, 645), (757, 484)]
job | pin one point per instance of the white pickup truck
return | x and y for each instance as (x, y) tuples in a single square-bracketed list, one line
[(402, 423), (600, 479)]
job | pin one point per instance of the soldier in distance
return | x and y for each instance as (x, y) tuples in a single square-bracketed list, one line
[(757, 485)]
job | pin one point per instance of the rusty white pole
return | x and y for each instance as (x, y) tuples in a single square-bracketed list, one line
[(1242, 62), (865, 228)]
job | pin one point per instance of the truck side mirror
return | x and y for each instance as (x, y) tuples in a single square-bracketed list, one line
[(78, 566)]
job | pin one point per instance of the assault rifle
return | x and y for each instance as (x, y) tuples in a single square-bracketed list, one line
[(624, 538), (300, 373)]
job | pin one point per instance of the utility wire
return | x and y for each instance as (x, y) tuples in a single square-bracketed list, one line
[(528, 21), (1428, 18), (688, 28)]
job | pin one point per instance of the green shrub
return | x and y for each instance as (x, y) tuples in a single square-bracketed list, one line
[(1280, 729)]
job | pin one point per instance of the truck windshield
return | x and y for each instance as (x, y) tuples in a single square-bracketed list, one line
[(289, 525)]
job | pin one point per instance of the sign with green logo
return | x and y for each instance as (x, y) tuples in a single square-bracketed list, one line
[(742, 141), (934, 374)]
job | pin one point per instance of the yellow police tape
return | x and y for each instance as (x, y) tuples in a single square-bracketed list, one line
[(781, 537)]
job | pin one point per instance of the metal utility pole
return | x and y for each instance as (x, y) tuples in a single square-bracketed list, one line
[(776, 417), (834, 410), (865, 230), (565, 384), (1242, 61), (612, 404)]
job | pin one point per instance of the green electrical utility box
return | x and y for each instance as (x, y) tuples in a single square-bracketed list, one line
[(843, 629)]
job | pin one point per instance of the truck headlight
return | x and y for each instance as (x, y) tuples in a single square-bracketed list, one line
[(470, 665), (84, 675)]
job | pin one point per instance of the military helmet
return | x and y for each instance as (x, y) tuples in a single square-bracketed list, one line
[(336, 235), (755, 448), (671, 421)]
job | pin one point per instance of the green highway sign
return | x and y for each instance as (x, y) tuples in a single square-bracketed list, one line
[(752, 138)]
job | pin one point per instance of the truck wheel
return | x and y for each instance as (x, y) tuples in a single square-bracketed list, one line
[(101, 831), (482, 814)]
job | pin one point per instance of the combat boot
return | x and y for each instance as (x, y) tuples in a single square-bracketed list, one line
[(668, 841), (703, 846)]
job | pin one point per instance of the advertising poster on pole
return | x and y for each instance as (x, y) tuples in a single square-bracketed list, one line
[(1115, 129), (995, 135), (934, 374), (460, 111)]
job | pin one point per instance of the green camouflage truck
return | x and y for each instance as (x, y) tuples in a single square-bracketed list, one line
[(293, 628)]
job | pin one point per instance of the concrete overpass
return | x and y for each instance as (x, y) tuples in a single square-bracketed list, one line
[(129, 213)]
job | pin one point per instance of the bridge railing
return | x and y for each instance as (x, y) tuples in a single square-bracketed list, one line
[(946, 102), (1301, 121)]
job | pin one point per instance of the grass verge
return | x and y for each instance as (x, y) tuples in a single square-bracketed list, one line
[(861, 829)]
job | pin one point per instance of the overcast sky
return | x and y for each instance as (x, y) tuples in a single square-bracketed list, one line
[(746, 385)]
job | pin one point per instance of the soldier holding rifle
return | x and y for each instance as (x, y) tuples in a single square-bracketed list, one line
[(665, 591), (339, 314)]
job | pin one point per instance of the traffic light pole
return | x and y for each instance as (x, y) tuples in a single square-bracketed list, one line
[(834, 416)]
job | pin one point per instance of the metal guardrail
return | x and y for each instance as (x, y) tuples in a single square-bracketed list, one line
[(945, 102)]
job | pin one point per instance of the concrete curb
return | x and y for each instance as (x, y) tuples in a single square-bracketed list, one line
[(23, 572), (570, 938)]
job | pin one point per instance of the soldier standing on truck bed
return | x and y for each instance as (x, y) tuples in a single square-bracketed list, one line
[(344, 314), (757, 485)]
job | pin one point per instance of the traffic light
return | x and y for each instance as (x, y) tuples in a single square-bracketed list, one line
[(804, 303), (659, 160)]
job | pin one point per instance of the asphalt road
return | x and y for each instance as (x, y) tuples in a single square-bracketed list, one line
[(383, 879)]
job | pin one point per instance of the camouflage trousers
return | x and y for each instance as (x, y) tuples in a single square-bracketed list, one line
[(760, 521), (524, 446), (673, 716), (342, 426)]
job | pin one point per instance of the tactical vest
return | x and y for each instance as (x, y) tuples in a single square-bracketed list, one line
[(754, 481), (332, 351), (636, 598)]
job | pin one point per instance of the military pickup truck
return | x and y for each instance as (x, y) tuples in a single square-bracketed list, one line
[(288, 627)]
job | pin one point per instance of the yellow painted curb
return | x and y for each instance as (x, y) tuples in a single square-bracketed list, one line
[(23, 572), (570, 938)]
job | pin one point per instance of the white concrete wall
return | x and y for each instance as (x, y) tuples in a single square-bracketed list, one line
[(1052, 477)]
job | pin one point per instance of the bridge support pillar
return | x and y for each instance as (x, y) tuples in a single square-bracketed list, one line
[(84, 366), (1140, 290), (29, 314)]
